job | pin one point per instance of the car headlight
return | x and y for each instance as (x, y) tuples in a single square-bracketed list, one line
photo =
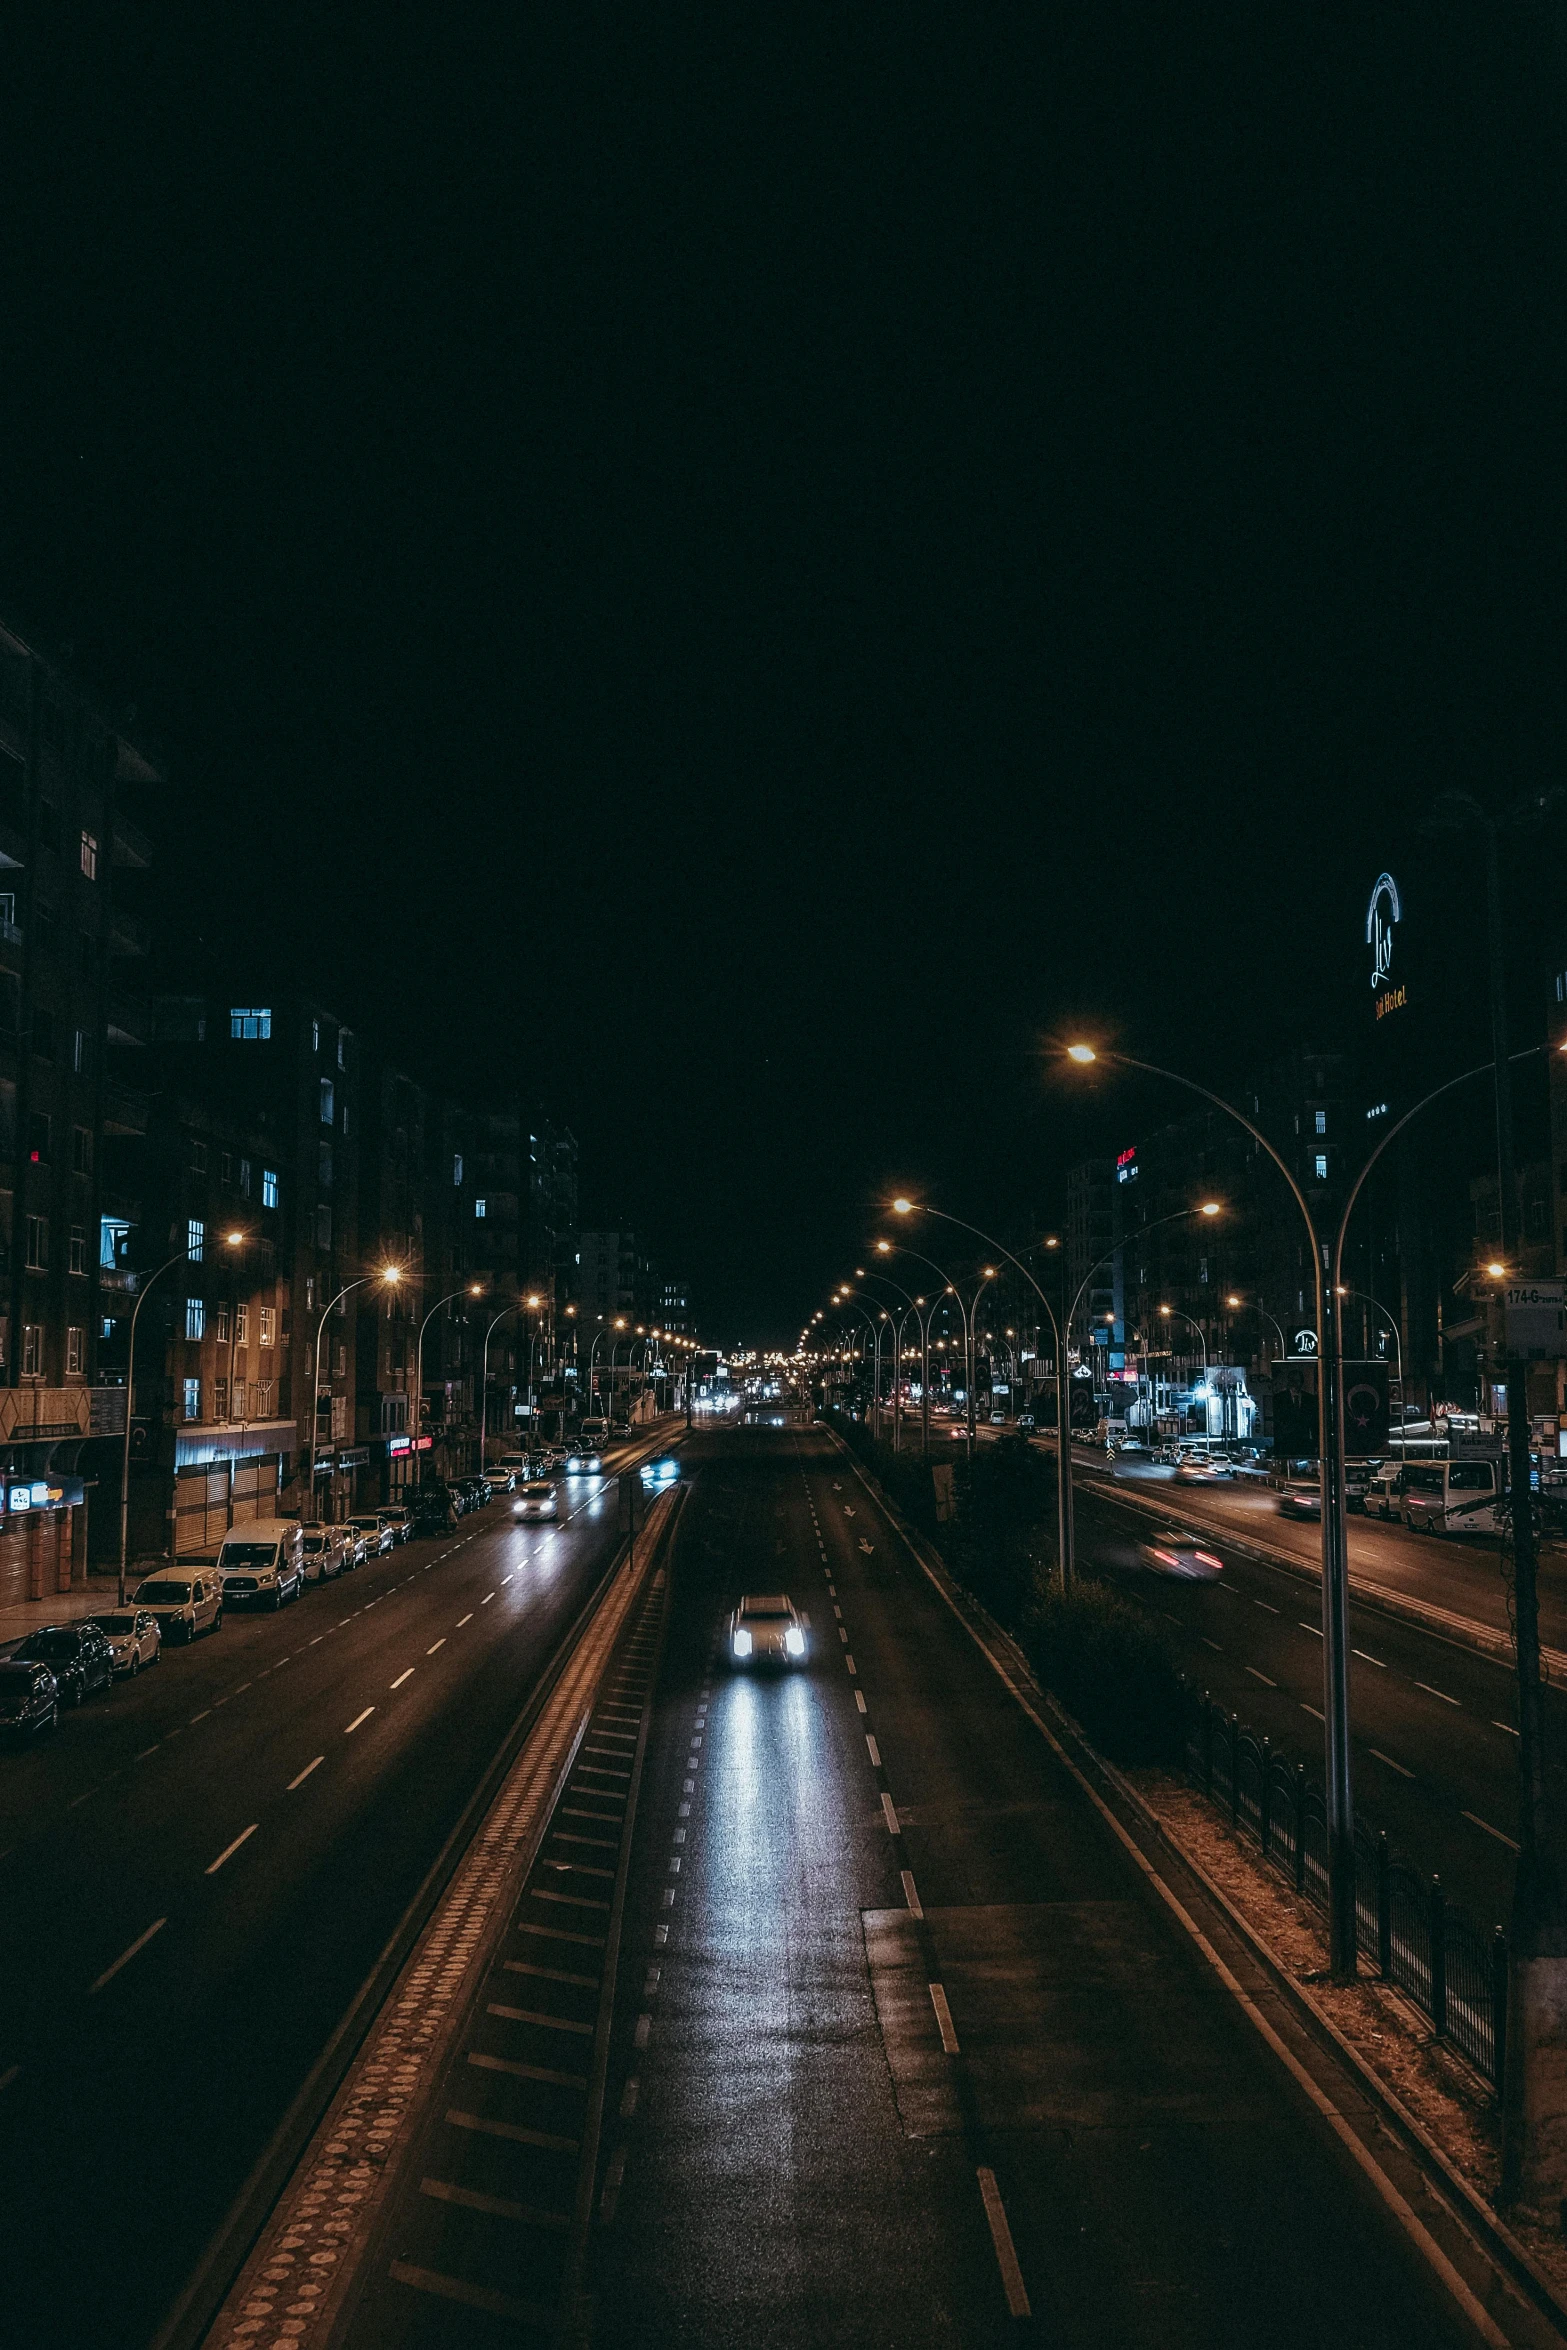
[(794, 1640), (742, 1644)]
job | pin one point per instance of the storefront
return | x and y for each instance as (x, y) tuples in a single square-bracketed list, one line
[(224, 1476), (41, 1531)]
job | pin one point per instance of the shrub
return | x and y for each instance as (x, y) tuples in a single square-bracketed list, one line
[(1111, 1669)]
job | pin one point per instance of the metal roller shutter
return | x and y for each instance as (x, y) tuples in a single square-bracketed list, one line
[(255, 1487), (201, 1510)]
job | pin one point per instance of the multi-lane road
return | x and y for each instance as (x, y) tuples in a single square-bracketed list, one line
[(910, 2051), (198, 1873)]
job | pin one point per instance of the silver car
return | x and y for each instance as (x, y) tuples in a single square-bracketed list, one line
[(133, 1637), (766, 1629), (537, 1499)]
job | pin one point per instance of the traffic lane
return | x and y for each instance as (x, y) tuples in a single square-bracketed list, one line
[(769, 2193), (1436, 1756), (179, 2068), (1153, 2159)]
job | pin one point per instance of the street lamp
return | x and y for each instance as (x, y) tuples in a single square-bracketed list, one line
[(1239, 1303), (484, 1383), (470, 1289), (230, 1240)]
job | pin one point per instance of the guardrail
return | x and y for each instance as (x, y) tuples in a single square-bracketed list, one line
[(1430, 1950)]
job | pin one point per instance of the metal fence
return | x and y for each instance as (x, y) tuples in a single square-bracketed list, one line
[(1453, 1970)]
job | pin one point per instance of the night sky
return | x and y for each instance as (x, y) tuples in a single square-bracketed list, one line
[(743, 569)]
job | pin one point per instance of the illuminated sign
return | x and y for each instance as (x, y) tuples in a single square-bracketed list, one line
[(1305, 1342), (19, 1497), (1126, 1166), (397, 1445), (1383, 916)]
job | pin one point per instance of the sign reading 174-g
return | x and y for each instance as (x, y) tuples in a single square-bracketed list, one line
[(1534, 1318)]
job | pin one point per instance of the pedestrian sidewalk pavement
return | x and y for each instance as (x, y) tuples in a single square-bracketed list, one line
[(95, 1597)]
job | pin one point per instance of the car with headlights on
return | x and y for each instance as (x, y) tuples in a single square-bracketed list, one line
[(767, 1629), (184, 1603), (583, 1460), (77, 1654), (133, 1637), (29, 1699), (1175, 1550), (537, 1498)]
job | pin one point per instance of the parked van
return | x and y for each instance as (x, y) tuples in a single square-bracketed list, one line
[(594, 1429), (262, 1564), (1385, 1492), (1453, 1497)]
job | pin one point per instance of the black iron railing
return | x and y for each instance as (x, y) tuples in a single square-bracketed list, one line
[(1452, 1969)]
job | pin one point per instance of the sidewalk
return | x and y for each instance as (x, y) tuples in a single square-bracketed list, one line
[(92, 1598)]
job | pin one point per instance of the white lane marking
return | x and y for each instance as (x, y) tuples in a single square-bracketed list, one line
[(467, 1619), (1507, 1726), (684, 1813), (201, 1717), (873, 1750), (842, 1634), (1001, 2237), (1391, 1764), (304, 1774), (938, 2000), (320, 1636), (1314, 1629), (229, 1850), (401, 1678), (910, 1895), (849, 1661), (485, 1601), (152, 1749), (358, 1718), (1441, 1693), (859, 1699), (1213, 1644), (1312, 1710), (109, 1974), (1272, 1610), (890, 1814), (1369, 1660), (690, 1787), (1262, 1677), (1490, 1831), (838, 1612), (441, 1643)]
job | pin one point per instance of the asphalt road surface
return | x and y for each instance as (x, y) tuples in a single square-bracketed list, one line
[(908, 2044), (198, 1872)]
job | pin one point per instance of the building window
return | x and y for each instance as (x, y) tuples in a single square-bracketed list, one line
[(241, 1399), (269, 1187), (106, 1326), (74, 1352), (113, 1235), (268, 1324), (457, 1166), (479, 1207), (81, 1150), (38, 1137), (241, 1325), (78, 1247), (195, 1317), (78, 1051), (1322, 1121), (323, 1226), (1322, 1166), (264, 1399), (315, 1036), (220, 1399), (195, 1239), (244, 1177), (324, 1165), (327, 1101), (198, 1157), (226, 1168), (342, 1048), (90, 855), (32, 1350), (37, 1244), (250, 1021), (193, 1399), (220, 1323)]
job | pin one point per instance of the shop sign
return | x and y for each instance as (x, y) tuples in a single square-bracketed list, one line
[(1534, 1318), (398, 1445)]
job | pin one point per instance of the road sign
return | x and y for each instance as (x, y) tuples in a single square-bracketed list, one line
[(1534, 1318)]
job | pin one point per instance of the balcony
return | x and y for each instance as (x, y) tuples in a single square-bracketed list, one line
[(127, 935), (131, 845), (124, 1110)]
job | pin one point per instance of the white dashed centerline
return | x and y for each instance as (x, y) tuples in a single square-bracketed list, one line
[(874, 1751), (229, 1850), (1369, 1660), (441, 1643), (402, 1677), (124, 1959), (1474, 1816), (467, 1619), (305, 1773), (890, 1814), (1379, 1756), (1441, 1693), (358, 1718)]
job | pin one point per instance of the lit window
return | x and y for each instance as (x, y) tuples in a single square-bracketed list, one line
[(78, 1258), (326, 1101), (315, 1036), (193, 1399), (195, 1239), (479, 1207), (1322, 1166), (220, 1324), (269, 1187), (195, 1317), (1322, 1121), (250, 1021), (32, 1350), (241, 1325), (106, 1326), (342, 1048), (74, 1352), (90, 855), (113, 1234), (268, 1323), (37, 1244), (457, 1166)]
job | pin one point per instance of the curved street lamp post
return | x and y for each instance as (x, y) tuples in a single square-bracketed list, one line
[(181, 1257)]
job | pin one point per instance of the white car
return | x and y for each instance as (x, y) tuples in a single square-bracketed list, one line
[(326, 1553), (538, 1498), (184, 1600), (500, 1480), (133, 1636), (766, 1629), (1174, 1550), (583, 1461)]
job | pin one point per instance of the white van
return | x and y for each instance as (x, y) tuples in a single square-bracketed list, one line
[(594, 1430), (262, 1564), (1454, 1497)]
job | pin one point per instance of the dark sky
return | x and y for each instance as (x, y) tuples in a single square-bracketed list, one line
[(746, 567)]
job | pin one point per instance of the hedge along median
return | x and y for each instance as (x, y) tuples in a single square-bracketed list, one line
[(1111, 1668)]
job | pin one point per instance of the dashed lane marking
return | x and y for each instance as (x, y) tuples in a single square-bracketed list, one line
[(1001, 2237), (910, 1896), (890, 1814), (1262, 1677), (1474, 1816), (1376, 1753), (358, 1718), (229, 1850), (304, 1774), (441, 1643), (1369, 1660), (1441, 1693), (949, 2037), (110, 1972), (873, 1750)]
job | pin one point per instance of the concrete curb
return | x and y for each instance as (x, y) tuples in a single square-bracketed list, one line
[(1492, 2239)]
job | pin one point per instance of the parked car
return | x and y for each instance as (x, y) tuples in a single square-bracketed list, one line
[(435, 1508), (500, 1480), (766, 1630), (185, 1601), (1385, 1492), (133, 1637), (377, 1538), (324, 1553), (262, 1564), (394, 1515), (77, 1654), (538, 1498), (29, 1699)]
